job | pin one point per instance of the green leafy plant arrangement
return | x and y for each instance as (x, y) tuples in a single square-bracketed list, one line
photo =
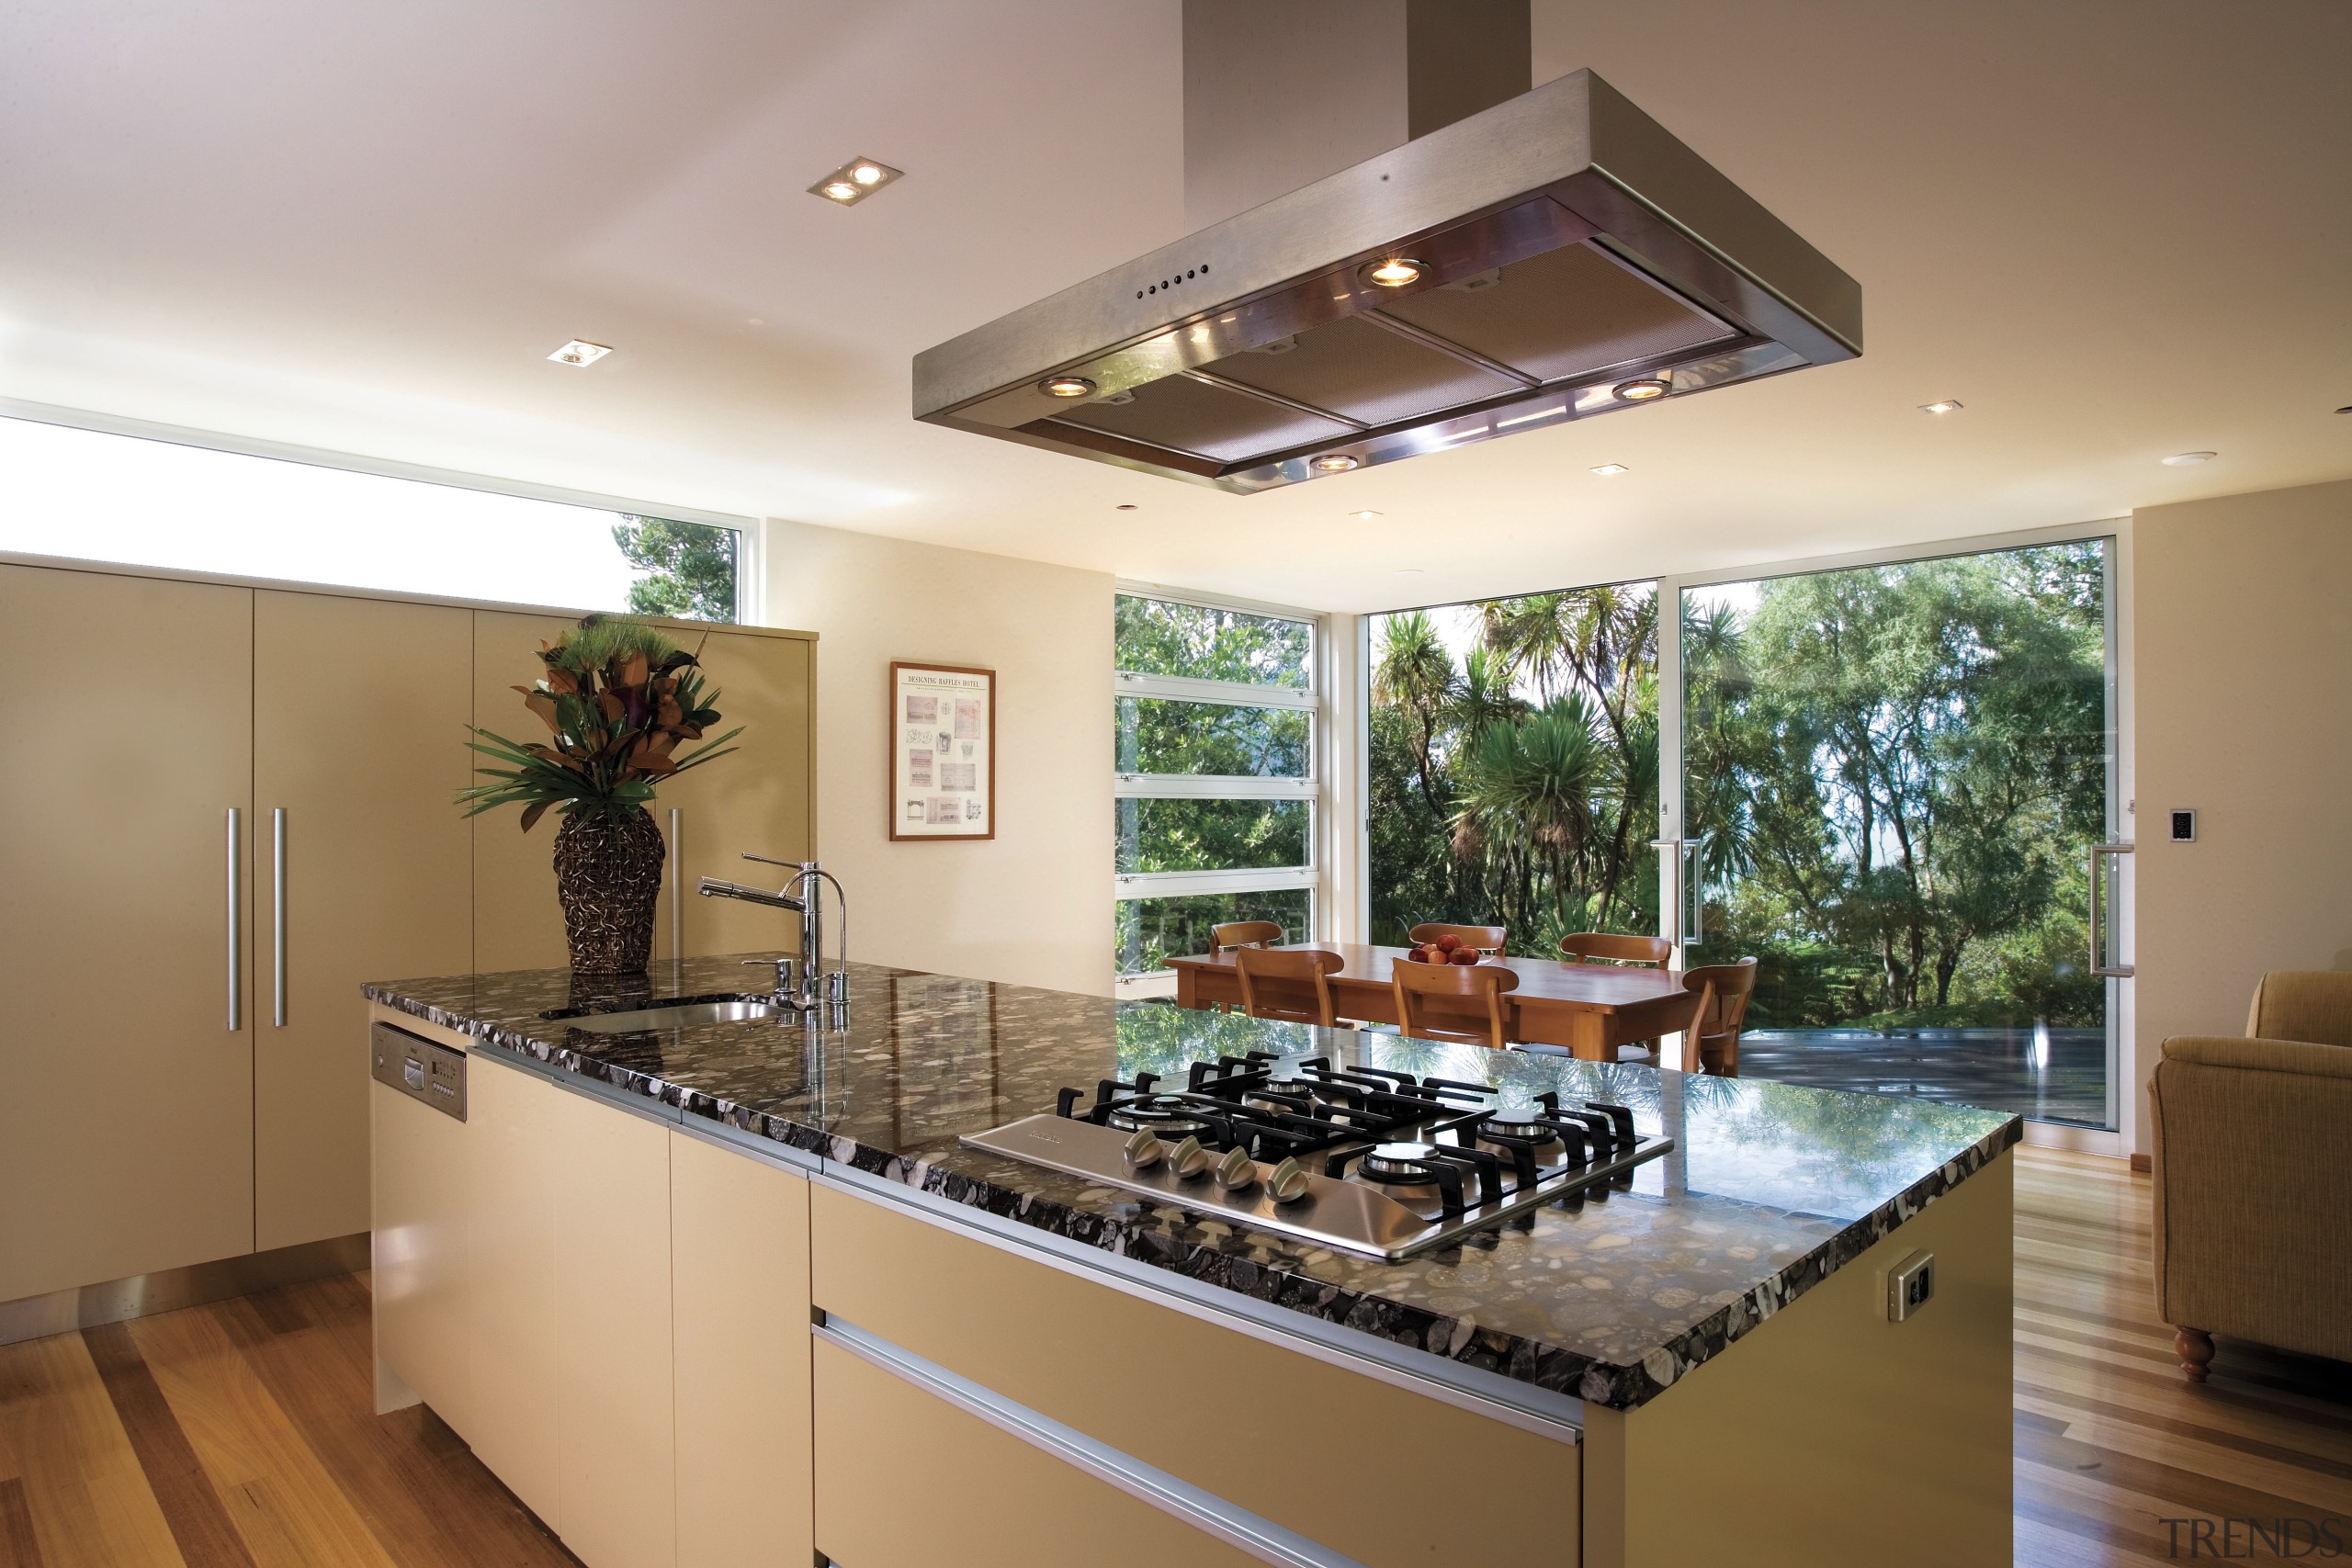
[(618, 698)]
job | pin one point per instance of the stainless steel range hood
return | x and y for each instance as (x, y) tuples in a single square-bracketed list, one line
[(1570, 258)]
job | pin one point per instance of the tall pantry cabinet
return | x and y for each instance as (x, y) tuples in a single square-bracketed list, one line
[(126, 1131), (235, 804)]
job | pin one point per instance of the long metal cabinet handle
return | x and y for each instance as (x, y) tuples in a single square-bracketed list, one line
[(236, 930), (677, 888), (2099, 964), (277, 915)]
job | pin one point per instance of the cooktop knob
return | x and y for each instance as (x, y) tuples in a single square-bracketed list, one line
[(1145, 1149), (1288, 1181), (1237, 1170), (1188, 1160)]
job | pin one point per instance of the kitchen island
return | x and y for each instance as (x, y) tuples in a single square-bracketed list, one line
[(598, 1277)]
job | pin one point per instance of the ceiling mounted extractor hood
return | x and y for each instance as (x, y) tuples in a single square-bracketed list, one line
[(1552, 257)]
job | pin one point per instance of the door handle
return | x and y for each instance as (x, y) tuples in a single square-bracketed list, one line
[(2099, 964), (277, 915), (236, 930), (677, 887)]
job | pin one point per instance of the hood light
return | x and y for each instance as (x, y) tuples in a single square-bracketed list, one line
[(1394, 273), (2190, 459), (1642, 391), (1066, 387), (1334, 463), (578, 353), (854, 181)]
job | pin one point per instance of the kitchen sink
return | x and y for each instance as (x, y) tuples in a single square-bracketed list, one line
[(682, 1015)]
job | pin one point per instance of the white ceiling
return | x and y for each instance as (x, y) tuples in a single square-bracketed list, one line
[(2114, 229)]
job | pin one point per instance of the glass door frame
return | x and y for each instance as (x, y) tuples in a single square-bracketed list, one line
[(2124, 1111)]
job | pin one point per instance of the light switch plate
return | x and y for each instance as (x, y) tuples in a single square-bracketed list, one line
[(1910, 1285), (2184, 827)]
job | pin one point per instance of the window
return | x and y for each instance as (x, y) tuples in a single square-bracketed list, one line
[(1215, 714), (1892, 778), (1512, 748), (92, 495)]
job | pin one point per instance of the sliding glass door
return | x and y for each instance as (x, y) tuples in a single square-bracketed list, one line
[(1892, 778)]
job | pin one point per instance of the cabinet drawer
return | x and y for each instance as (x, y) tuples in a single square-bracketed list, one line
[(1313, 1447), (905, 1477)]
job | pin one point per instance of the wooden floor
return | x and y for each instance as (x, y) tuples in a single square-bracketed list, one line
[(2111, 1440), (241, 1435)]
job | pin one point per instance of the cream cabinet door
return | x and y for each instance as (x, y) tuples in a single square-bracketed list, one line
[(513, 1177), (613, 1423), (905, 1477), (517, 923), (359, 713), (759, 799), (418, 1282), (739, 1274), (126, 1130)]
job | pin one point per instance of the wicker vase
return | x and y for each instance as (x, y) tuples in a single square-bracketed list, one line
[(608, 876)]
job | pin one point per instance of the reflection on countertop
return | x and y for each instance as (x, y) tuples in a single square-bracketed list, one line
[(1769, 1187)]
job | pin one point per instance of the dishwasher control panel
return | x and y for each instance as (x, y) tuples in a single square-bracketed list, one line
[(418, 1068)]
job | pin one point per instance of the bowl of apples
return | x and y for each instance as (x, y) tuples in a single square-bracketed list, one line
[(1447, 949)]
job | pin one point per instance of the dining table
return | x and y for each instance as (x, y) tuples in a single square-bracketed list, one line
[(1588, 1009)]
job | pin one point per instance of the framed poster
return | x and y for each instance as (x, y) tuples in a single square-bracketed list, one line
[(943, 751)]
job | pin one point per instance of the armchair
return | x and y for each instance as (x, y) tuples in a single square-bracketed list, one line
[(2252, 1164)]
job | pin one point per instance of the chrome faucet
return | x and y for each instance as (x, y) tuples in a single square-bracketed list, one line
[(803, 895)]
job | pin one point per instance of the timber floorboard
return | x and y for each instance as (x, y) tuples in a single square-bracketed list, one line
[(243, 1433), (2113, 1441)]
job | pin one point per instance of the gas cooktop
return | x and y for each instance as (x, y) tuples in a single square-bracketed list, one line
[(1378, 1163)]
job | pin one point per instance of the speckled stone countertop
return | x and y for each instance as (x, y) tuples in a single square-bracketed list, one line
[(1769, 1187)]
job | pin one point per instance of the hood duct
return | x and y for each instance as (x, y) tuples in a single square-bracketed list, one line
[(1553, 256)]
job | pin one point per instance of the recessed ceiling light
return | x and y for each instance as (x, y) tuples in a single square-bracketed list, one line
[(1409, 572), (1393, 273), (2190, 459), (1124, 507), (2346, 409), (1066, 385), (1644, 390), (1333, 463), (1948, 405), (854, 181), (1605, 469), (578, 353), (1366, 512)]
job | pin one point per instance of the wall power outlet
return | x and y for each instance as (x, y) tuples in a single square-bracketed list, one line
[(1910, 1285)]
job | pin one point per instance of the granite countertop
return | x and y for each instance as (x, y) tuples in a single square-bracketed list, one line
[(1769, 1187)]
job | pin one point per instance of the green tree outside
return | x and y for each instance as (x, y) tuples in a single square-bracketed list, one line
[(1153, 735), (686, 569), (1897, 771)]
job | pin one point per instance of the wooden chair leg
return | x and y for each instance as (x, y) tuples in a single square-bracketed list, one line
[(2194, 1347)]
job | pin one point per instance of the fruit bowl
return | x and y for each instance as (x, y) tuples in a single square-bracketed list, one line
[(1447, 949)]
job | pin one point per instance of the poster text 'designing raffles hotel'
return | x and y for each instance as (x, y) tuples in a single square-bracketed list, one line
[(943, 751)]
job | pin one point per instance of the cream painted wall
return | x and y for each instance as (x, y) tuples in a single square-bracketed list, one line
[(1031, 906), (2243, 612)]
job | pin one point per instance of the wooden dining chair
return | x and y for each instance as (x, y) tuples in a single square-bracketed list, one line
[(1486, 939), (1290, 984), (1473, 984), (1610, 947), (1243, 933), (1712, 1043)]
